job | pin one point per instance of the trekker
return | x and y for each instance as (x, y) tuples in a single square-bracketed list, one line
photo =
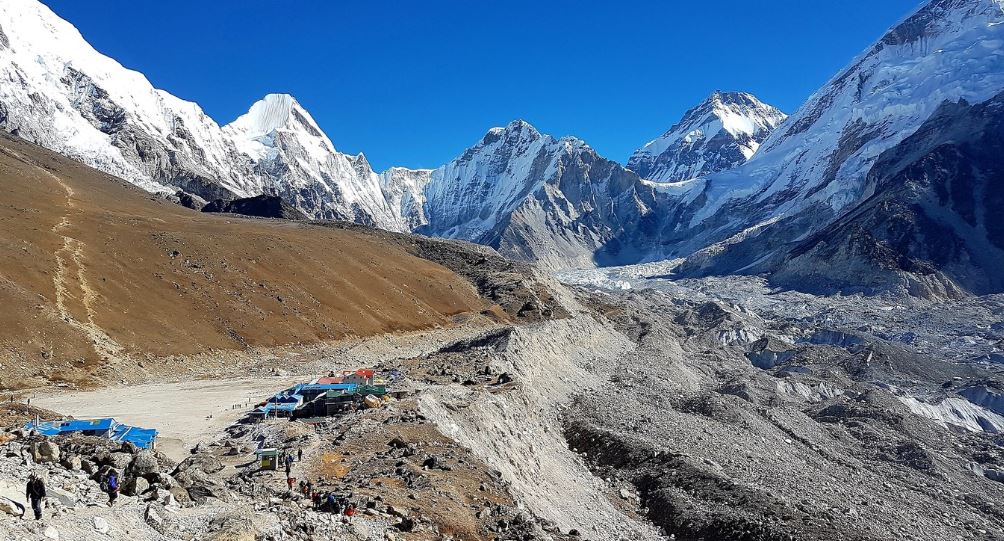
[(350, 509), (111, 486), (299, 455), (289, 482), (35, 491)]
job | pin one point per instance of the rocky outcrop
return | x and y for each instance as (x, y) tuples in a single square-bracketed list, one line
[(263, 206)]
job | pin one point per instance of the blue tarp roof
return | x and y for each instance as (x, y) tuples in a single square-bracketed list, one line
[(324, 387), (140, 437), (108, 427)]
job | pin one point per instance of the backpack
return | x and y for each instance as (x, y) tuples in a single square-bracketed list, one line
[(113, 483)]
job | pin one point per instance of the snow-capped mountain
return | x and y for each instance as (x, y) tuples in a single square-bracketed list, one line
[(815, 167), (301, 165), (933, 227), (404, 190), (722, 132), (534, 197), (59, 92)]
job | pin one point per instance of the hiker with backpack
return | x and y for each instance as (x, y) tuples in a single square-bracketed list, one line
[(35, 491), (111, 486)]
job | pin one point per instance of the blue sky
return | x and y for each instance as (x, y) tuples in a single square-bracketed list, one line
[(414, 83)]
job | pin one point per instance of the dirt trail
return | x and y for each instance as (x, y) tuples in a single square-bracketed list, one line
[(73, 252), (118, 277)]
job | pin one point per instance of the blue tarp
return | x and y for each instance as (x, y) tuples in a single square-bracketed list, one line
[(106, 427), (140, 437)]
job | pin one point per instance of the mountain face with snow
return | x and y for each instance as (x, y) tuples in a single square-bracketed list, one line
[(59, 92), (404, 190), (301, 165), (815, 167), (534, 197), (722, 132), (933, 227)]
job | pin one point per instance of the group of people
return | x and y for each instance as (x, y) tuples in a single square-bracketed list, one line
[(286, 458), (329, 502), (34, 490)]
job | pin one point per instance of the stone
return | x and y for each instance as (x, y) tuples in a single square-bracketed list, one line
[(51, 532), (135, 486), (64, 497), (11, 507), (87, 466), (101, 525), (119, 460), (201, 461), (180, 494), (153, 518), (162, 479), (44, 451), (144, 463), (71, 462), (13, 491)]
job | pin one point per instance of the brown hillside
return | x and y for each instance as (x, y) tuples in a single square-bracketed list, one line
[(93, 269)]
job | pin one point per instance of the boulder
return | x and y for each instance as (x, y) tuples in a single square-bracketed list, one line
[(87, 466), (201, 461), (135, 486), (161, 479), (64, 497), (44, 451), (50, 532), (71, 462), (11, 507), (232, 528), (180, 495), (129, 447), (153, 518), (13, 491), (145, 462), (101, 525), (120, 460)]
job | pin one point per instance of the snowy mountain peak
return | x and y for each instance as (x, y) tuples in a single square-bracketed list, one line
[(255, 130), (724, 131), (517, 129)]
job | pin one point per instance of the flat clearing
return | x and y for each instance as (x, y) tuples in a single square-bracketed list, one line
[(185, 413)]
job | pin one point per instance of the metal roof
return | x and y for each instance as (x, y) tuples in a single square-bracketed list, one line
[(108, 427)]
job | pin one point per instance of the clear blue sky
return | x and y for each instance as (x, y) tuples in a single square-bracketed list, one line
[(414, 83)]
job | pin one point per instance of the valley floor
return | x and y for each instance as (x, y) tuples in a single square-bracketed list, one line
[(712, 409)]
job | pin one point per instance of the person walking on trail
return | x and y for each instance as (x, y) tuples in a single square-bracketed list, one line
[(35, 492), (111, 486), (350, 509), (299, 455), (289, 482)]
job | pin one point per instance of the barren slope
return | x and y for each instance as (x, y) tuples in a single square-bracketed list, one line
[(93, 270)]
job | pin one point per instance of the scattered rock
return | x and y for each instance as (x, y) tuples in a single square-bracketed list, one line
[(101, 525)]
